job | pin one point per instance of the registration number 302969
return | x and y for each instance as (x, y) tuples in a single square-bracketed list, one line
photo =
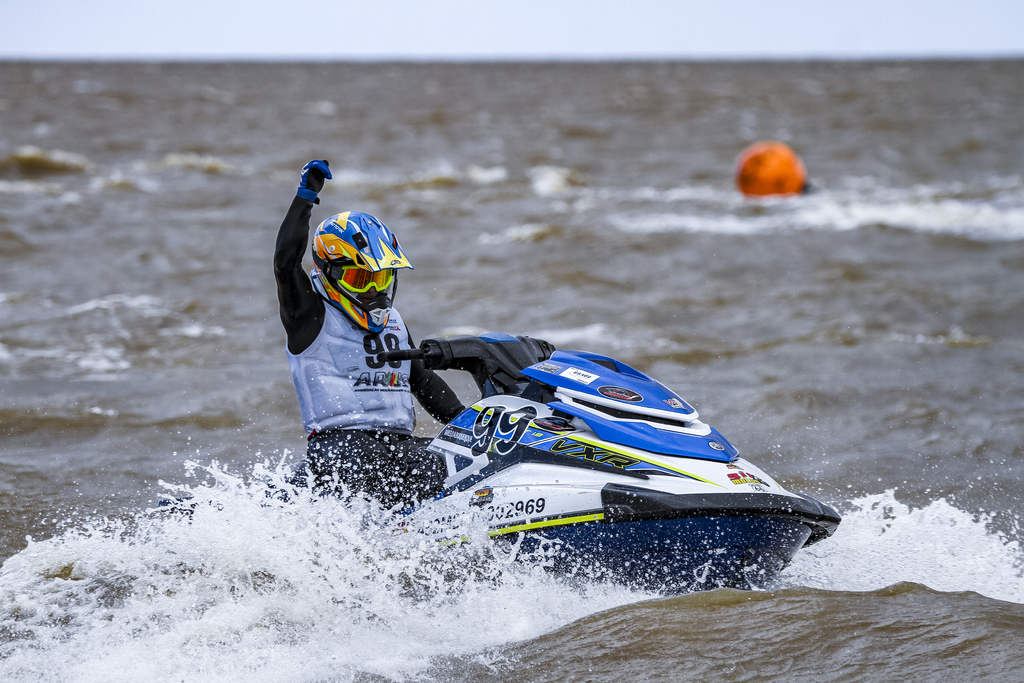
[(520, 508)]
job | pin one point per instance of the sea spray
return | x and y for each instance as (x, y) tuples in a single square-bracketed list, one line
[(883, 542), (233, 584)]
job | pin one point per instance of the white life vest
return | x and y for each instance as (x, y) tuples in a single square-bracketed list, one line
[(342, 385)]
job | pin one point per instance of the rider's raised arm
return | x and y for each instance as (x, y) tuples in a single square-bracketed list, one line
[(302, 310)]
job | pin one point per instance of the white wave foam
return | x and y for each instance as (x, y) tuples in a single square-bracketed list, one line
[(950, 216), (442, 174), (550, 181), (486, 176), (954, 337), (206, 164), (29, 187), (100, 358), (194, 331), (992, 211), (885, 542), (530, 232), (252, 590), (596, 333), (322, 108), (104, 353), (675, 222), (148, 305), (96, 410), (604, 338), (457, 330), (118, 180)]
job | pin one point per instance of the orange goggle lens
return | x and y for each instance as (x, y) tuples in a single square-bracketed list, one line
[(355, 279)]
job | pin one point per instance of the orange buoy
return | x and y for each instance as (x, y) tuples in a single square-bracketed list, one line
[(770, 168)]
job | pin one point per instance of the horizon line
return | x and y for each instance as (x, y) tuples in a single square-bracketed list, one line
[(512, 59)]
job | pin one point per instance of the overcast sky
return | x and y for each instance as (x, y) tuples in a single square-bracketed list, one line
[(509, 29)]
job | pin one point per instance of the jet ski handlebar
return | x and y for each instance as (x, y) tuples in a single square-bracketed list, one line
[(495, 361), (404, 354), (431, 353)]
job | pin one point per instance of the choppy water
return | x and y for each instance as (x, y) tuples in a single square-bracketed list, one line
[(864, 344)]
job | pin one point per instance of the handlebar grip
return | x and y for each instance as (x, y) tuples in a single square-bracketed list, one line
[(403, 354)]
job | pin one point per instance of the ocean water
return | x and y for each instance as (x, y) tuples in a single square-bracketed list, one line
[(863, 343)]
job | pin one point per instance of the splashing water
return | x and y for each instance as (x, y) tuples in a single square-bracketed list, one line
[(886, 542), (247, 587), (250, 588)]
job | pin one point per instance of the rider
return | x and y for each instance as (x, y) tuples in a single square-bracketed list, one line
[(357, 410)]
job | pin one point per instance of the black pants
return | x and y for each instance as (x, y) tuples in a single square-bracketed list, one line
[(392, 468)]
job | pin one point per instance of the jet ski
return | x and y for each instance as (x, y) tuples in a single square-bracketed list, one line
[(603, 471)]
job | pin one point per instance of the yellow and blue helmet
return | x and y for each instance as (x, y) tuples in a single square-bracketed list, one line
[(357, 260)]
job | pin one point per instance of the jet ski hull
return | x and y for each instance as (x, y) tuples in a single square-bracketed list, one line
[(668, 541), (671, 554)]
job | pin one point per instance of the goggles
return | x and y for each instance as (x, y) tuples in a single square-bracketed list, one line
[(356, 279)]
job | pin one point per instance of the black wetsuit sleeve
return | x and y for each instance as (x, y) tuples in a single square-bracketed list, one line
[(302, 309), (433, 393)]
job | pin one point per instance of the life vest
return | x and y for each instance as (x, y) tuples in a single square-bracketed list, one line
[(342, 385)]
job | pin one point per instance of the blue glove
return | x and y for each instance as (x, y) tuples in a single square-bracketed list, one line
[(312, 179)]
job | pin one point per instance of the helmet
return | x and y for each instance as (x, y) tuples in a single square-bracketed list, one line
[(770, 168), (353, 251)]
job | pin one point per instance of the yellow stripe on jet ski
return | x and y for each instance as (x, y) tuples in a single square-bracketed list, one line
[(607, 447), (563, 521)]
